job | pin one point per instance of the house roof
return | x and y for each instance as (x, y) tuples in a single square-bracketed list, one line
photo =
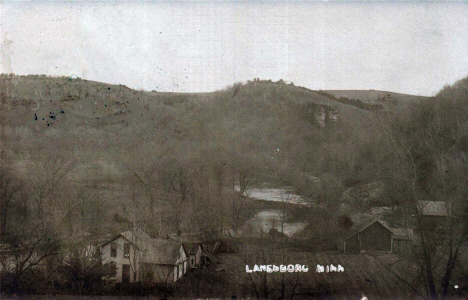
[(433, 208), (191, 248), (119, 236), (157, 251), (135, 235)]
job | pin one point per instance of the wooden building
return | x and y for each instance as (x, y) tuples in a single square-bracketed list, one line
[(378, 237), (432, 216)]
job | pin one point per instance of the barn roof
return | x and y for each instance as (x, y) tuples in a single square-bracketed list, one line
[(399, 233), (433, 208), (403, 233)]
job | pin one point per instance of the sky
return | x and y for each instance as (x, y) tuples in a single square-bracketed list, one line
[(406, 47)]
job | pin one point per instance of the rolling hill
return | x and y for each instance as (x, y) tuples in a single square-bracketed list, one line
[(81, 102), (389, 100), (95, 121)]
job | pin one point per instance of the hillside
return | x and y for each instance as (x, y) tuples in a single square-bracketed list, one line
[(267, 90), (100, 124), (85, 117), (99, 104), (72, 103), (110, 133), (389, 100)]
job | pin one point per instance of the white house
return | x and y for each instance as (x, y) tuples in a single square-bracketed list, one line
[(138, 258), (122, 255)]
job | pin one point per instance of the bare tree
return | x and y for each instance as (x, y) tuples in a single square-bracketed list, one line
[(9, 187), (245, 172), (428, 168), (49, 174), (148, 178), (30, 246)]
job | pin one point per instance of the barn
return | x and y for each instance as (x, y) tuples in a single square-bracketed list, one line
[(378, 237), (432, 215)]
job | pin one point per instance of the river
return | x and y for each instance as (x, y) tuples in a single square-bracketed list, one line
[(276, 195), (271, 219)]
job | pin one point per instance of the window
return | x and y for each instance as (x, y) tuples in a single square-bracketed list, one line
[(126, 250), (113, 268), (113, 249)]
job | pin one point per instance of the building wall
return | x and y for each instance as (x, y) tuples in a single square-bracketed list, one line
[(181, 264), (434, 228), (196, 258), (159, 273), (164, 273), (352, 244), (376, 238), (120, 260), (198, 255), (432, 223), (193, 260), (401, 245)]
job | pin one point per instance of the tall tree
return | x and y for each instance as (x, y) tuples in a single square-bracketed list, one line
[(429, 152)]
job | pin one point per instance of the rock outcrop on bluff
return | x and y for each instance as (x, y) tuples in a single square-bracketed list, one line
[(325, 114)]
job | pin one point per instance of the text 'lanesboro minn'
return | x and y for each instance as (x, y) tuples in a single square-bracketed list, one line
[(292, 268)]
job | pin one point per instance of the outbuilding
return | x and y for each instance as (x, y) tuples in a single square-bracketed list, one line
[(378, 237)]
